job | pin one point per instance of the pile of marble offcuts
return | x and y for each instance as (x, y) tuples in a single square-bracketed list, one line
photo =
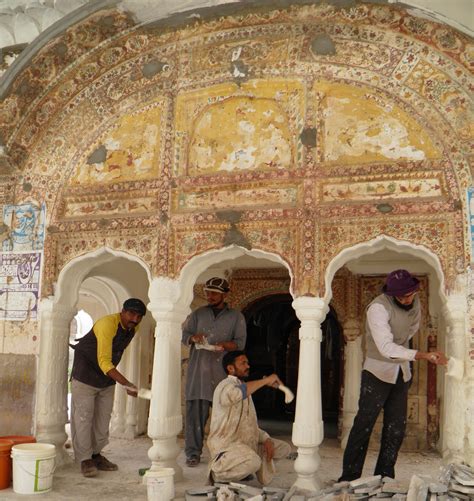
[(454, 483)]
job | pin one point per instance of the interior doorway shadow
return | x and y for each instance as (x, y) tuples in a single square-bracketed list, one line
[(273, 346)]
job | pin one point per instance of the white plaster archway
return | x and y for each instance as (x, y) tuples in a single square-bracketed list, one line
[(450, 309), (379, 243), (56, 313), (198, 264), (170, 304), (74, 273)]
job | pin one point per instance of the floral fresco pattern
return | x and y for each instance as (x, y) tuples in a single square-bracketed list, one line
[(169, 142)]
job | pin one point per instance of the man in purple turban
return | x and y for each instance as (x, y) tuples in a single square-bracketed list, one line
[(393, 318)]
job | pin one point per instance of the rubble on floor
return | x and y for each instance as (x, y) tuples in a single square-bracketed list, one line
[(455, 482)]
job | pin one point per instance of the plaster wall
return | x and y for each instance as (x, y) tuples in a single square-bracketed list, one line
[(17, 390)]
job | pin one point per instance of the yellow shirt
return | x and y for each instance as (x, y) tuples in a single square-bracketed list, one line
[(105, 330)]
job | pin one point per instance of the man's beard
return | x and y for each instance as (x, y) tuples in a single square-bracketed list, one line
[(406, 307)]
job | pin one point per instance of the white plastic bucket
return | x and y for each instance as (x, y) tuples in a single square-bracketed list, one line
[(33, 468), (160, 484)]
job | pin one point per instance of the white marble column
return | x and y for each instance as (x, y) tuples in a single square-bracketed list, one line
[(51, 388), (132, 375), (165, 420), (469, 456), (308, 428), (118, 418), (352, 372), (454, 426)]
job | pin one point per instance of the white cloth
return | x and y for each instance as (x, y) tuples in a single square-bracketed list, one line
[(378, 323)]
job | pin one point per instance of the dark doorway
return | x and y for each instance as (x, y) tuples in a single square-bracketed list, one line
[(273, 346)]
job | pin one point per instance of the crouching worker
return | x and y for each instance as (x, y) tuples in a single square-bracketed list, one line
[(238, 448)]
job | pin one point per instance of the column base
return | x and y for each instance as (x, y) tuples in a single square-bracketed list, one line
[(58, 438), (163, 454), (306, 465)]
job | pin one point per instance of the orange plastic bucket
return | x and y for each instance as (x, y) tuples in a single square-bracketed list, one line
[(5, 463), (19, 439)]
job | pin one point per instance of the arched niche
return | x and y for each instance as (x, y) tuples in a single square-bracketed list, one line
[(199, 264), (131, 278), (376, 258)]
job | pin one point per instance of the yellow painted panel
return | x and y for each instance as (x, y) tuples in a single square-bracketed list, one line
[(132, 150), (231, 128), (361, 126)]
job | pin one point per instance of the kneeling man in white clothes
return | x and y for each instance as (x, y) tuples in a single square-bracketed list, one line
[(238, 447)]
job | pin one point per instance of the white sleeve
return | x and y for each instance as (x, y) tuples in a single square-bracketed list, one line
[(377, 320)]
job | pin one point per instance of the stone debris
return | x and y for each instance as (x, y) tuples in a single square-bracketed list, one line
[(454, 483)]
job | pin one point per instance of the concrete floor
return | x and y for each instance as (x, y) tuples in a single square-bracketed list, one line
[(131, 455)]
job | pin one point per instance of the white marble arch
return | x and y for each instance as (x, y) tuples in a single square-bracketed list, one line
[(449, 310), (170, 304), (56, 313)]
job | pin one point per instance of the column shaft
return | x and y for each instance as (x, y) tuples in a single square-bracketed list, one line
[(51, 390), (308, 428)]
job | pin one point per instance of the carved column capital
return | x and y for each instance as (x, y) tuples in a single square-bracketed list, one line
[(310, 308)]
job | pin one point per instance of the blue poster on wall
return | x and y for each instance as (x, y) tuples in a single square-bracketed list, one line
[(470, 212), (26, 227)]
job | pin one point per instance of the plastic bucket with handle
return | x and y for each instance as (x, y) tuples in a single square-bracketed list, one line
[(33, 468), (5, 463), (19, 439)]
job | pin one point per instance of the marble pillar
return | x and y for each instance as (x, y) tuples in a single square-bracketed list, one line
[(51, 390), (308, 428), (165, 419), (454, 428), (353, 358)]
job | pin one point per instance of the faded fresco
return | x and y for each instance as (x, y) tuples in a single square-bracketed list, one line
[(19, 285), (211, 198), (131, 150), (361, 126), (127, 205), (26, 223), (360, 190), (244, 129), (231, 128)]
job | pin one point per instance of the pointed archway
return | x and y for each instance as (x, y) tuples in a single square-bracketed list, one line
[(170, 302), (366, 258), (56, 315)]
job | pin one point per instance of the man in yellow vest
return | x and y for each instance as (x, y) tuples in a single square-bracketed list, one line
[(93, 377)]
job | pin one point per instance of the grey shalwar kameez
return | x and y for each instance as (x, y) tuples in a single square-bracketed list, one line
[(205, 369)]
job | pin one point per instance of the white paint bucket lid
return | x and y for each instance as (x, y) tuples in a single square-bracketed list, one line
[(34, 450)]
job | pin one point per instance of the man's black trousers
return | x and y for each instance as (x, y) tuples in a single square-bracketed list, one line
[(376, 395)]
